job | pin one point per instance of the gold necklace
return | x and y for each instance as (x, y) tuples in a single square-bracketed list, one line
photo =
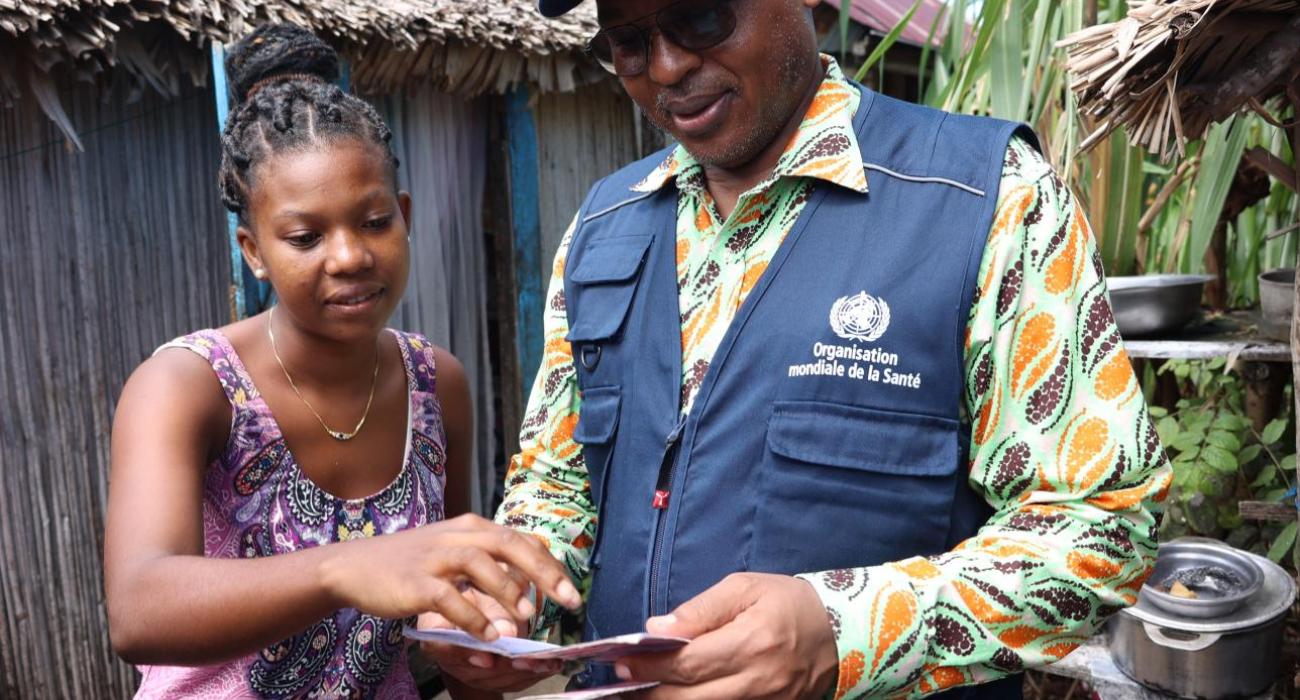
[(336, 434)]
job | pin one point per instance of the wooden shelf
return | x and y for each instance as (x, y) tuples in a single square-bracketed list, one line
[(1234, 336)]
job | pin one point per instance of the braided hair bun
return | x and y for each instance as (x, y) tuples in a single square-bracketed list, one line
[(282, 84), (275, 51)]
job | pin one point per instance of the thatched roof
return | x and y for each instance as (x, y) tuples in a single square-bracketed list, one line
[(467, 46), (1173, 67)]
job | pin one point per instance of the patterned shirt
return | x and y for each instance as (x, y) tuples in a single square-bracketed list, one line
[(1062, 447)]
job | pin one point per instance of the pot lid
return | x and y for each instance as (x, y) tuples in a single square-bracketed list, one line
[(1120, 284), (1274, 598)]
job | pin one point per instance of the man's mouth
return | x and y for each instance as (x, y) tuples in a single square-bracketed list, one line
[(699, 115)]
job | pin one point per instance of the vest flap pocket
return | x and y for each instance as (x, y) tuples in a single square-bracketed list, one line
[(851, 437), (605, 280), (598, 416), (609, 260)]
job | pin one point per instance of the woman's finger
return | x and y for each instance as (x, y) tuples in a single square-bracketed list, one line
[(445, 599), (432, 621), (482, 571), (534, 560), (505, 623)]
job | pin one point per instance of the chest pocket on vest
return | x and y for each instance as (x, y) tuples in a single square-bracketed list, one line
[(604, 282), (844, 486)]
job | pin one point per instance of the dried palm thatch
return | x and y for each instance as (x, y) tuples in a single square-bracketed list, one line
[(1173, 67), (467, 46)]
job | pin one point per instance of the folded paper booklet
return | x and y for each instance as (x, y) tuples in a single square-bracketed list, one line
[(609, 691), (513, 648)]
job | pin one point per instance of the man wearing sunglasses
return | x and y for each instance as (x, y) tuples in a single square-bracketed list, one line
[(831, 387)]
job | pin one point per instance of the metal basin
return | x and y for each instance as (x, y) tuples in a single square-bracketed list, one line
[(1222, 577), (1153, 304)]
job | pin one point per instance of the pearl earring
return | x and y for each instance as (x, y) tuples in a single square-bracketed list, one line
[(259, 273)]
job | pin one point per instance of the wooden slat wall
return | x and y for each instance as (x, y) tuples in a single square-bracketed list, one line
[(582, 136), (105, 255), (441, 141)]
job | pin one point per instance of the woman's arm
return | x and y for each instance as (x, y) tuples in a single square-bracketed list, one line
[(167, 603)]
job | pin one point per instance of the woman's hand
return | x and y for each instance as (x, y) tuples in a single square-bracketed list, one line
[(480, 670), (426, 569)]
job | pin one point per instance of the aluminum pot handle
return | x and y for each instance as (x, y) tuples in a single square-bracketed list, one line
[(1201, 641)]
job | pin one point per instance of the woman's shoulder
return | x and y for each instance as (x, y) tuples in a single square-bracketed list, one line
[(212, 344), (206, 343), (188, 357), (178, 385), (204, 360)]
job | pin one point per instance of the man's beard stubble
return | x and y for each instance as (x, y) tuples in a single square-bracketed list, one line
[(756, 134)]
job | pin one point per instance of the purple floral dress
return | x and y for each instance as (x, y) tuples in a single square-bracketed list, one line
[(257, 502)]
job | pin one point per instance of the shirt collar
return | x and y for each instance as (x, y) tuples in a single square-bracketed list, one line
[(825, 146)]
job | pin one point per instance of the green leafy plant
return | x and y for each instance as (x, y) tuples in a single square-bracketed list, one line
[(1264, 236), (1219, 459), (1185, 200), (1000, 58)]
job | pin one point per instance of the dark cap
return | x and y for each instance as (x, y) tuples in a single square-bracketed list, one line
[(555, 8)]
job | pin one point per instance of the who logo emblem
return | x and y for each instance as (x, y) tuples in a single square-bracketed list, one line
[(860, 317)]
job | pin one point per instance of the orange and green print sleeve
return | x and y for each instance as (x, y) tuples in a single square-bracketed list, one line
[(1062, 448), (547, 491)]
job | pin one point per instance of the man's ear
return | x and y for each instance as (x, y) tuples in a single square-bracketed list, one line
[(248, 246), (404, 203)]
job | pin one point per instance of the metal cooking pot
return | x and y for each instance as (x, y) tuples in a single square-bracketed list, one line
[(1233, 656), (1276, 299)]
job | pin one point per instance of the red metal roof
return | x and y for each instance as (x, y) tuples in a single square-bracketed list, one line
[(882, 15)]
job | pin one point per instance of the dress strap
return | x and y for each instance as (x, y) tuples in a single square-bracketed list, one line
[(417, 355), (213, 346), (427, 431)]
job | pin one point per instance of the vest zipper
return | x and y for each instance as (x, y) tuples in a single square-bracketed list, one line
[(663, 491)]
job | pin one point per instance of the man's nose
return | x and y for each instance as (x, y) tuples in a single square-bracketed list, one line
[(347, 254), (668, 63)]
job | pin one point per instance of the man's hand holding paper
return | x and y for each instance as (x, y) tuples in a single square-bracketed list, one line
[(752, 636)]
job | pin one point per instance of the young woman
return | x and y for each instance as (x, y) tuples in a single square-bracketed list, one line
[(279, 484)]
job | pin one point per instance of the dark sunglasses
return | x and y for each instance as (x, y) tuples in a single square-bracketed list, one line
[(693, 25)]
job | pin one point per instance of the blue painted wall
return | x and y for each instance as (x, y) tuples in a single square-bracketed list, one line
[(526, 220), (248, 295)]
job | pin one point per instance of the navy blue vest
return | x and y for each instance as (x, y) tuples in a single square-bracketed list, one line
[(828, 431)]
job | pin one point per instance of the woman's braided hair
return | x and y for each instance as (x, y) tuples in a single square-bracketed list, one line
[(282, 83)]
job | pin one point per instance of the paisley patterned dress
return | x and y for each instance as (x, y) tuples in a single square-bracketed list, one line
[(258, 502)]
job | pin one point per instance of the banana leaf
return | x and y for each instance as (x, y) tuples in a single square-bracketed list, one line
[(1224, 144)]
